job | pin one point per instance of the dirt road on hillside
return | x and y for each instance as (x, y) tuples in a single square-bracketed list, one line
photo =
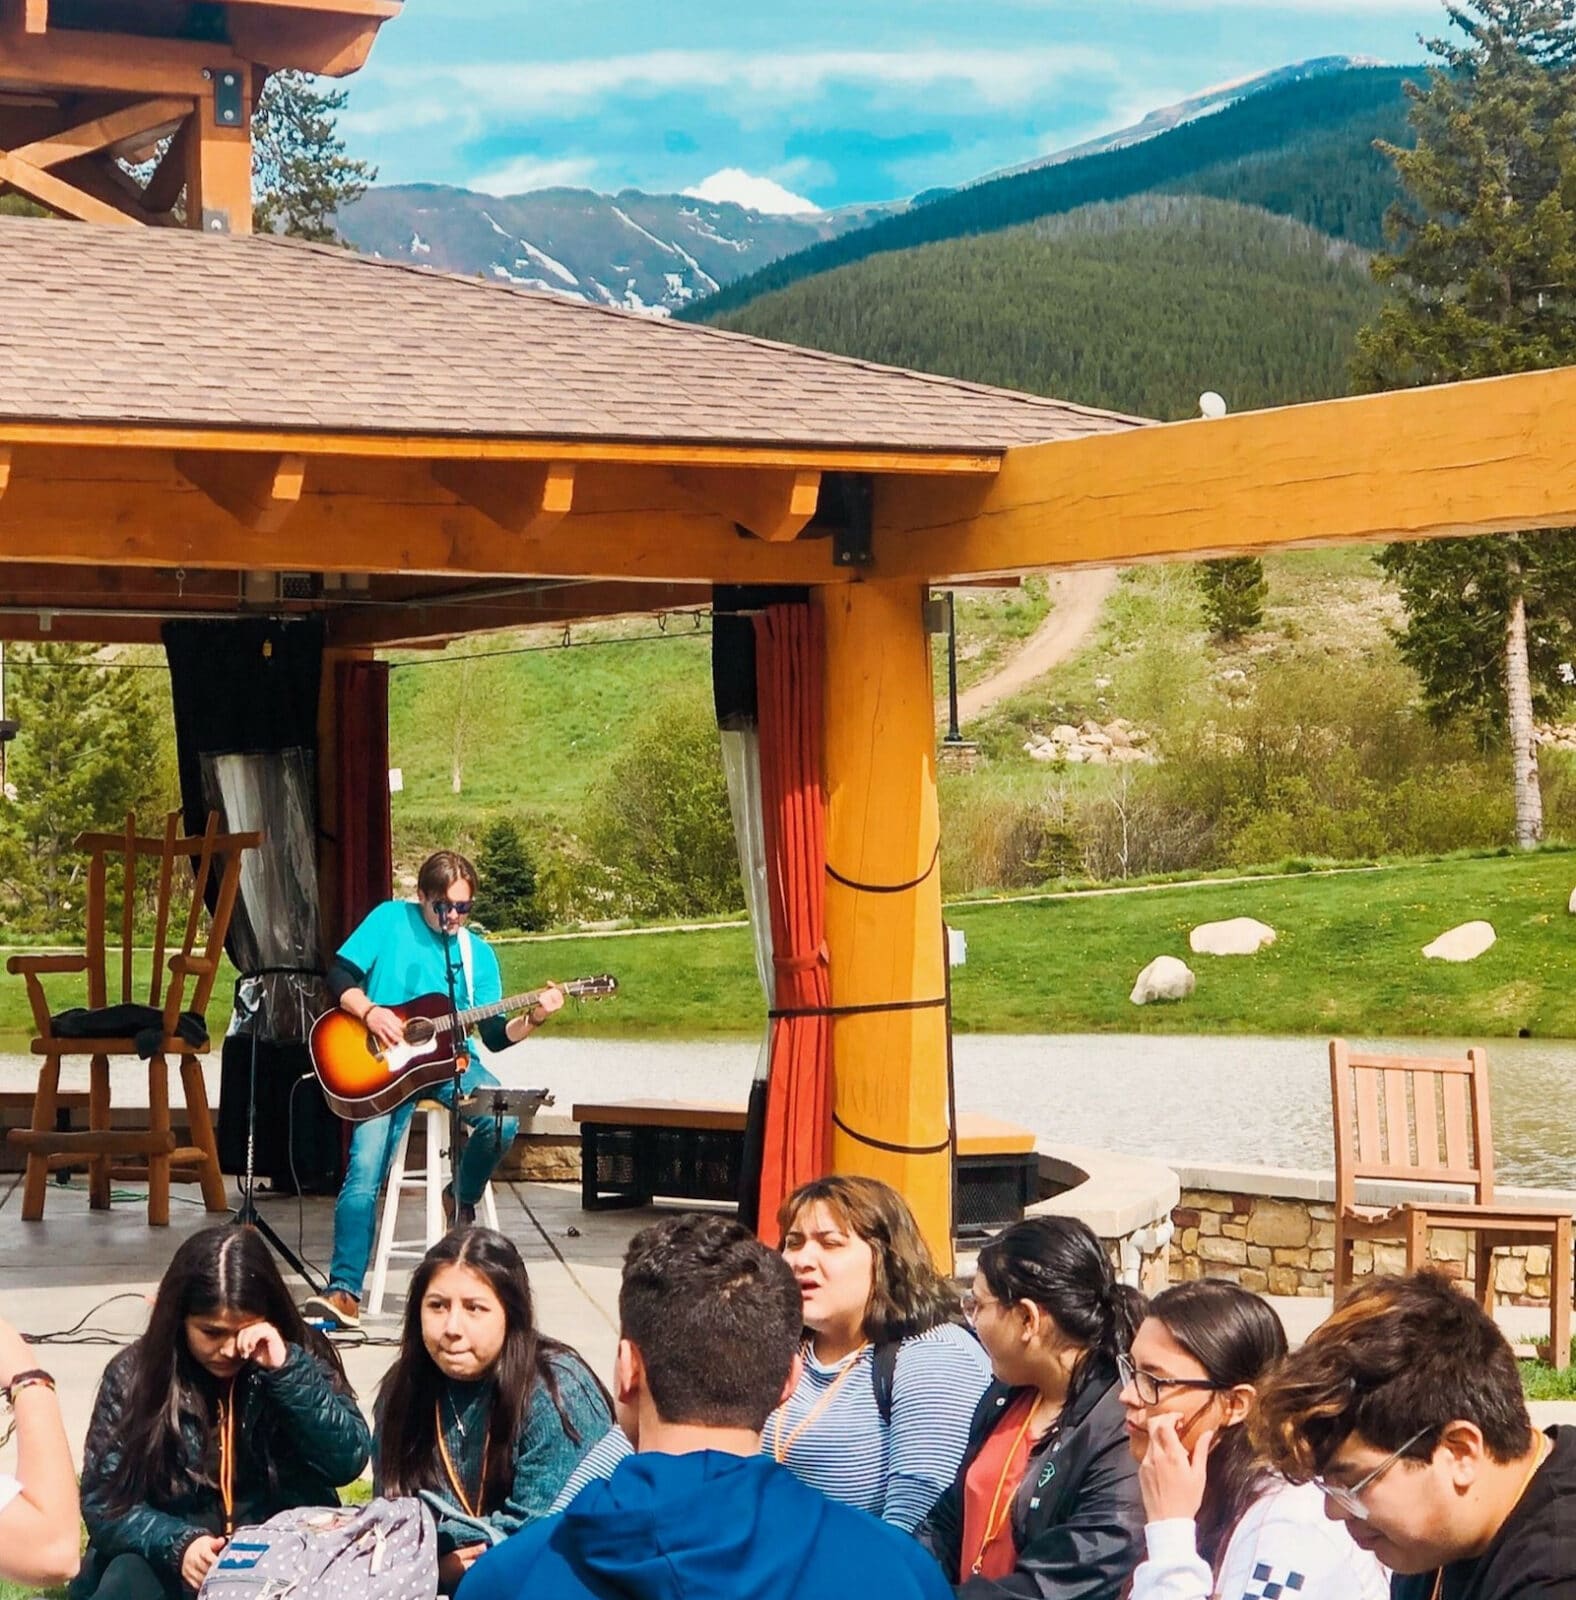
[(1076, 599)]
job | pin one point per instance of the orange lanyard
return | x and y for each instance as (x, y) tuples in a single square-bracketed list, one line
[(455, 1481), (780, 1445), (227, 1458), (1000, 1499)]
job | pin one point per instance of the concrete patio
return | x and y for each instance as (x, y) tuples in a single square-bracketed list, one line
[(54, 1273)]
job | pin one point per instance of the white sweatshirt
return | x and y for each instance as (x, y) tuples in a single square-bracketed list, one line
[(1284, 1548)]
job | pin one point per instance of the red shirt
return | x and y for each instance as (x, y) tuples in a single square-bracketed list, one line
[(989, 1549)]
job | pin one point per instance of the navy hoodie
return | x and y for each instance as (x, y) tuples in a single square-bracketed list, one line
[(705, 1526)]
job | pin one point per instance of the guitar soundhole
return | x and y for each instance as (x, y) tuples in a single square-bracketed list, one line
[(420, 1030)]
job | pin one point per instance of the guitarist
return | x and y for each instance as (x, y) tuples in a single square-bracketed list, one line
[(406, 948)]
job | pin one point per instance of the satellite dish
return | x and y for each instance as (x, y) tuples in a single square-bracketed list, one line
[(1211, 405)]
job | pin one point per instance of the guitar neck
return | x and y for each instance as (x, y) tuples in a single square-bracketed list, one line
[(465, 1020)]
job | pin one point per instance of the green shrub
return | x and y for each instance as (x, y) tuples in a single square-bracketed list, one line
[(1234, 591), (660, 820)]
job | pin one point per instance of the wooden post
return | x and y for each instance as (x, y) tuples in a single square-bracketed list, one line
[(219, 158), (883, 900)]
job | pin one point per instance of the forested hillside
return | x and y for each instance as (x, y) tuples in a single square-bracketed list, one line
[(1304, 150), (1137, 306)]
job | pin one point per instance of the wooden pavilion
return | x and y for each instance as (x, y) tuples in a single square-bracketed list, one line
[(194, 425)]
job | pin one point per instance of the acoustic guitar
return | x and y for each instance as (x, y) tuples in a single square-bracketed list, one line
[(361, 1078)]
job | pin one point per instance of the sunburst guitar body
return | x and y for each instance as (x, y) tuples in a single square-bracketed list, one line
[(362, 1078)]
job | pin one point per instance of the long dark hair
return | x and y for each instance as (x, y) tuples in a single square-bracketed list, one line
[(1059, 1264), (170, 1393), (408, 1458), (1236, 1338), (907, 1294)]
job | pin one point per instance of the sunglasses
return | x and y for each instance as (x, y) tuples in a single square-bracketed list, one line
[(1348, 1496), (461, 908)]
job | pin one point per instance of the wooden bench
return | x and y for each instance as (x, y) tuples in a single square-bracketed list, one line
[(634, 1151)]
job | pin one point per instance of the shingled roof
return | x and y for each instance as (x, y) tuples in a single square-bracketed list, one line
[(162, 326)]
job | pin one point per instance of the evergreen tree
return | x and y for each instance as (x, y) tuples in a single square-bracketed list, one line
[(1483, 264), (91, 747), (301, 176), (1234, 590), (506, 896)]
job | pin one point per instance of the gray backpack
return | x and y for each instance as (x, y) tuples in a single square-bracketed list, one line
[(386, 1550)]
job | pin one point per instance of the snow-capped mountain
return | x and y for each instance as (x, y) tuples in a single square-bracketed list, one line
[(640, 252)]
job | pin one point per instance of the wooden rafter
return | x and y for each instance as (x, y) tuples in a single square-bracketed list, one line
[(258, 491), (773, 505), (5, 467), (35, 16), (57, 194), (1494, 456), (522, 497), (145, 121)]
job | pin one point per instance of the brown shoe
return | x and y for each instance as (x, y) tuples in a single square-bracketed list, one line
[(456, 1216), (335, 1307)]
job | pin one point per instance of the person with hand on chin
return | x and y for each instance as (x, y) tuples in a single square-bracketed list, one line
[(481, 1415), (38, 1507), (403, 949), (1222, 1524), (227, 1410)]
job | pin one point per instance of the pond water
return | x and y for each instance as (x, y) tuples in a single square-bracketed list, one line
[(1264, 1101)]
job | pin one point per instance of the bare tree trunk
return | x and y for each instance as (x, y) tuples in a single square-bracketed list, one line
[(1523, 738), (460, 725)]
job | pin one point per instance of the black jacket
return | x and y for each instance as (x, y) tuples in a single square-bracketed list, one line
[(323, 1443), (1077, 1519), (1533, 1557)]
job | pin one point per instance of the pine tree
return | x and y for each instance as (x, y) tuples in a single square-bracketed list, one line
[(301, 176), (506, 896), (1234, 590), (91, 747), (1483, 265)]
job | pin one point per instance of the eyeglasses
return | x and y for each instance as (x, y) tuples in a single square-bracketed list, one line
[(973, 1304), (1147, 1385), (461, 908), (1348, 1496)]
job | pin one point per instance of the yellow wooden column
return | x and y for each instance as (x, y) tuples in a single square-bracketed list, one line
[(883, 900)]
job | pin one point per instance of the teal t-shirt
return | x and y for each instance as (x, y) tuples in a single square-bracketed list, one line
[(402, 958)]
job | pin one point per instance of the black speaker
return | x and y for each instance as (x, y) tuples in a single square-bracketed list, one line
[(288, 1112)]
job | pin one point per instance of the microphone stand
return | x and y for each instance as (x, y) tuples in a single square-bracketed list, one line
[(249, 1001), (462, 1061)]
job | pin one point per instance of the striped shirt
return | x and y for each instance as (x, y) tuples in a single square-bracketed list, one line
[(847, 1452)]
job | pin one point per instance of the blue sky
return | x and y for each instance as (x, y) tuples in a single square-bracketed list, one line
[(835, 101)]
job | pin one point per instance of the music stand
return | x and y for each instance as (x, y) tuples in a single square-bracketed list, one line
[(249, 1002)]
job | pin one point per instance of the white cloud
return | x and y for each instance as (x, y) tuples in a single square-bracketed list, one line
[(991, 77), (522, 173), (757, 194)]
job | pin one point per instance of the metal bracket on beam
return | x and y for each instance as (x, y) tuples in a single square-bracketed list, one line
[(849, 497), (229, 96)]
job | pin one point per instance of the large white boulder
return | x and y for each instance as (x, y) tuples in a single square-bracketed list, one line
[(1241, 936), (1165, 978), (1571, 907), (1465, 943)]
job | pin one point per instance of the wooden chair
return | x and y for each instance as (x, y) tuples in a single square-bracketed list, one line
[(178, 863), (1390, 1113)]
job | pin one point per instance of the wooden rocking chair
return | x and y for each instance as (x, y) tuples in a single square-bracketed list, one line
[(212, 857)]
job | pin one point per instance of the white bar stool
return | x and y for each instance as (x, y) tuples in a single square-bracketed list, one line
[(430, 1178)]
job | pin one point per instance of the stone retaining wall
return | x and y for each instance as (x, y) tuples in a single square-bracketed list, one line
[(1231, 1223)]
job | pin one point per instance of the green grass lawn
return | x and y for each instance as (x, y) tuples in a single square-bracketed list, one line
[(1347, 961)]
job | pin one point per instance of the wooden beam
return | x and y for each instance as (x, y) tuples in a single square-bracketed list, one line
[(258, 491), (326, 44), (219, 164), (773, 505), (453, 618), (169, 177), (147, 119), (5, 467), (57, 194), (155, 519), (120, 63), (1494, 456), (35, 16), (522, 497), (374, 446)]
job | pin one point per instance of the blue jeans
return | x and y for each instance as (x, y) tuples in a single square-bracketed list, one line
[(372, 1147)]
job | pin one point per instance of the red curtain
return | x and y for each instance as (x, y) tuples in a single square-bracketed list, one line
[(789, 666), (366, 845)]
